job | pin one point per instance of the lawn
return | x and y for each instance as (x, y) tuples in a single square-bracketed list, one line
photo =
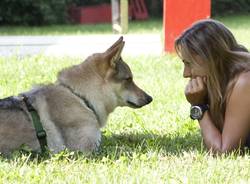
[(152, 26), (155, 144)]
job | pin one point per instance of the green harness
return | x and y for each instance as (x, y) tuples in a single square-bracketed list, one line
[(17, 102), (40, 132)]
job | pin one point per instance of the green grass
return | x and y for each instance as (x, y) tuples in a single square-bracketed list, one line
[(152, 26), (155, 144)]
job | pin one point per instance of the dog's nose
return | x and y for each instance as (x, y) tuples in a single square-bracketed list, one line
[(148, 99)]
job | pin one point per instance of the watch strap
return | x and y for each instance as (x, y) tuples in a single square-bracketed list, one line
[(204, 107)]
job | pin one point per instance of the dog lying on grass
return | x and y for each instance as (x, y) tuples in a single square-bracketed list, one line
[(70, 112)]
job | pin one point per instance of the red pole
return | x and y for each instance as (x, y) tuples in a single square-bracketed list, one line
[(180, 14)]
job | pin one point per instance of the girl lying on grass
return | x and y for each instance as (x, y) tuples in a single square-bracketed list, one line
[(219, 85)]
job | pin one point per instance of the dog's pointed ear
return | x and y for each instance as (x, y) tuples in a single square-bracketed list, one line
[(115, 44), (113, 54)]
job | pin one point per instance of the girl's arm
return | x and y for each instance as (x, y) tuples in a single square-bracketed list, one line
[(237, 119)]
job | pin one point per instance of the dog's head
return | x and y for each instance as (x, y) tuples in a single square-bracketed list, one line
[(105, 77), (117, 74)]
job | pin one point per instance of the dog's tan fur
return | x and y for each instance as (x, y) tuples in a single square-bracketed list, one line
[(103, 79)]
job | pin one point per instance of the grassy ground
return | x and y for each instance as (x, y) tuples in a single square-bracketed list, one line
[(152, 26), (155, 144)]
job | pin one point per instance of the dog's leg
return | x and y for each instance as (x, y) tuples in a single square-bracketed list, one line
[(54, 137), (86, 139), (91, 139)]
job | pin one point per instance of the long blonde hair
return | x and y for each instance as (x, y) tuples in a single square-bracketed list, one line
[(216, 46)]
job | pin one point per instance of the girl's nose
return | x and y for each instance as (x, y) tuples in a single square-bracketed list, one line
[(186, 72)]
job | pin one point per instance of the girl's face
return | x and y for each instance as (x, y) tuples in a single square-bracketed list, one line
[(193, 69)]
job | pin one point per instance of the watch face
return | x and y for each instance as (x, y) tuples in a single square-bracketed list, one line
[(196, 112)]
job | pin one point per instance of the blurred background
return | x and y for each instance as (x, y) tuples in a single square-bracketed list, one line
[(45, 12), (82, 27)]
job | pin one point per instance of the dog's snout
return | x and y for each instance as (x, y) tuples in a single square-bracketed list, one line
[(148, 99)]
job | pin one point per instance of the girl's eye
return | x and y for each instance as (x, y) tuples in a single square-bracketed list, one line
[(186, 63), (128, 79)]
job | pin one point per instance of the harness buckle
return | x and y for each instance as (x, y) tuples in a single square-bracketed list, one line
[(41, 134)]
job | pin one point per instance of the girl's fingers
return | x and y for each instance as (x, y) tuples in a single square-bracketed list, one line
[(195, 84), (204, 79), (188, 88), (200, 82), (195, 90)]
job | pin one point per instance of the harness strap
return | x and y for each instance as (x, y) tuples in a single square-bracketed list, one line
[(40, 132)]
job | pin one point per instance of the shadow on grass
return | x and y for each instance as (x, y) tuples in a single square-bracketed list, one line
[(114, 146), (127, 144)]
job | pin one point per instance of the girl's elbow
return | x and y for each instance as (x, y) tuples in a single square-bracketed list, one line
[(219, 148), (225, 148)]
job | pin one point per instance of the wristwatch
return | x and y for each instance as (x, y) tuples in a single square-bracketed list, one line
[(197, 111)]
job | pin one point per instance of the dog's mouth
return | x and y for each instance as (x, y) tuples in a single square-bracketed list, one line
[(133, 105)]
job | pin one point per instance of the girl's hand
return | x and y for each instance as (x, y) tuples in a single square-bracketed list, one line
[(196, 91)]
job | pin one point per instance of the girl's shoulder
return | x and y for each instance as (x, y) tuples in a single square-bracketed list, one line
[(243, 81)]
